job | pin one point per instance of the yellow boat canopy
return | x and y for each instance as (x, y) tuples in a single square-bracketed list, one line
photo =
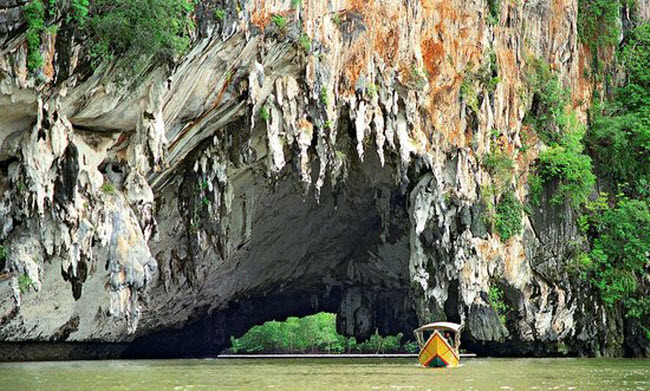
[(438, 350), (440, 326)]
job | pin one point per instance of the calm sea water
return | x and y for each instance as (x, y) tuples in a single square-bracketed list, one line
[(310, 374)]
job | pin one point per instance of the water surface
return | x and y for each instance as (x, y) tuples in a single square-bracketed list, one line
[(309, 374)]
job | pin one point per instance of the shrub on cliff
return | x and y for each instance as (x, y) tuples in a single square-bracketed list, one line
[(548, 114), (619, 136), (565, 163), (557, 126), (599, 21), (139, 31), (3, 254), (500, 166), (496, 300), (508, 215), (494, 7), (34, 12), (24, 283)]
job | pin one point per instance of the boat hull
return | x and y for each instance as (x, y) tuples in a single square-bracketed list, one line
[(437, 353)]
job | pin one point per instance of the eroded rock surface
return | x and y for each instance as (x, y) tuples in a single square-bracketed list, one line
[(161, 218)]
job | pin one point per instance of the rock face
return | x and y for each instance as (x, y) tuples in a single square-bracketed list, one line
[(260, 179)]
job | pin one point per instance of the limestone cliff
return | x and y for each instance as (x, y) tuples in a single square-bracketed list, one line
[(331, 162)]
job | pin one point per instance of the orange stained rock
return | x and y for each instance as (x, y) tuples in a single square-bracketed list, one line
[(381, 36), (48, 58), (304, 125), (354, 63), (432, 54), (486, 250), (557, 18), (448, 37), (259, 16)]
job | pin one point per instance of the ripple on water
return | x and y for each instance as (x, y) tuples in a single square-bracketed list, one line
[(403, 374)]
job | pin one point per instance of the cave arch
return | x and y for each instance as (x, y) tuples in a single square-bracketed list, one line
[(346, 252)]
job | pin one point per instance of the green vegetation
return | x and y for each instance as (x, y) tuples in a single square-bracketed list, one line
[(599, 22), (24, 283), (563, 162), (264, 114), (468, 93), (580, 264), (312, 334), (620, 254), (219, 14), (3, 253), (488, 195), (372, 90), (488, 73), (592, 211), (108, 187), (80, 9), (571, 169), (617, 225), (487, 77), (500, 166), (505, 217), (304, 42), (508, 215), (34, 12), (295, 4), (548, 115), (495, 10), (139, 31), (280, 21), (495, 298), (619, 136), (324, 98)]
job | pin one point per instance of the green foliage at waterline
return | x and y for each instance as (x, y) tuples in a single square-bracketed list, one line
[(313, 334), (617, 223), (620, 251)]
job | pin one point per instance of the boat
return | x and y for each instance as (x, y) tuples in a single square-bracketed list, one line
[(441, 348)]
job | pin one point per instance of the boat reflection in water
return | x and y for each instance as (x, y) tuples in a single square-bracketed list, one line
[(440, 349)]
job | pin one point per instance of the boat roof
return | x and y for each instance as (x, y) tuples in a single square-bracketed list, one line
[(455, 327)]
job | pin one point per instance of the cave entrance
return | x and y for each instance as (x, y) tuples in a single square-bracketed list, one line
[(346, 252)]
